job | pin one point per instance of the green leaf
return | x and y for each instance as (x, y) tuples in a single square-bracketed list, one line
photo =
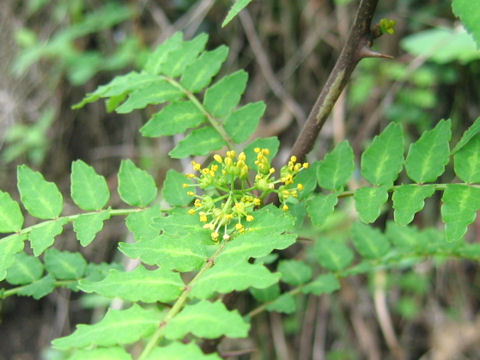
[(64, 265), (140, 284), (38, 288), (25, 270), (369, 202), (41, 198), (267, 294), (141, 223), (241, 123), (173, 190), (224, 95), (136, 187), (86, 226), (469, 12), (174, 118), (89, 190), (285, 303), (270, 143), (332, 255), (323, 284), (155, 93), (198, 142), (178, 59), (428, 156), (238, 6), (207, 320), (11, 217), (294, 272), (161, 53), (43, 235), (320, 206), (177, 253), (370, 242), (180, 351), (459, 209), (179, 223), (308, 178), (408, 200), (225, 277), (336, 168), (382, 161), (405, 237), (9, 246), (200, 73), (467, 161), (468, 135), (117, 327), (111, 353)]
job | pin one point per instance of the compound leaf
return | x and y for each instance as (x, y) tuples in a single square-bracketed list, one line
[(161, 53), (136, 187), (320, 206), (89, 190), (174, 118), (382, 161), (294, 272), (428, 156), (65, 265), (179, 351), (174, 191), (370, 242), (459, 209), (43, 235), (200, 73), (86, 226), (176, 253), (332, 255), (117, 327), (25, 270), (369, 201), (41, 198), (198, 142), (241, 123), (178, 59), (225, 277), (467, 161), (336, 168), (9, 246), (11, 217), (207, 320), (408, 200), (155, 93), (323, 284), (139, 284), (224, 95)]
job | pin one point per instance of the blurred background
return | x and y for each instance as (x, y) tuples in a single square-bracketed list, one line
[(53, 52)]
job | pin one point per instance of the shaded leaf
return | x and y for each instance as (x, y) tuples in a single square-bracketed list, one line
[(408, 200), (334, 171), (43, 235), (323, 284), (207, 320), (86, 226), (267, 294), (224, 95), (111, 353), (320, 206), (467, 161), (178, 59), (180, 351), (242, 123), (64, 265), (285, 303), (141, 223), (428, 156), (468, 135), (161, 53), (459, 209), (369, 202), (405, 237), (173, 190), (332, 255), (89, 190), (41, 198), (198, 142), (382, 161), (117, 327), (294, 272), (174, 118), (136, 187), (139, 284), (11, 217), (370, 242), (25, 270)]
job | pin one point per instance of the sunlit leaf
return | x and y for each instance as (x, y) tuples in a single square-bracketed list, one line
[(89, 190), (11, 217), (173, 190), (468, 11), (408, 200), (111, 353), (161, 53), (320, 206), (177, 60), (64, 265), (336, 168), (86, 226), (135, 186), (180, 351), (369, 202), (43, 235), (467, 161), (370, 242), (25, 270), (294, 272), (198, 142), (9, 246), (241, 123)]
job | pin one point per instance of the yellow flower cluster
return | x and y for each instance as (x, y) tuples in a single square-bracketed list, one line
[(227, 199)]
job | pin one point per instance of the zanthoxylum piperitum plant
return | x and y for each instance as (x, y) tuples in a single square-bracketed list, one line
[(226, 218)]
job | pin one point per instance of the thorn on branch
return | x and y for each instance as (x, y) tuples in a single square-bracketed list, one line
[(366, 52)]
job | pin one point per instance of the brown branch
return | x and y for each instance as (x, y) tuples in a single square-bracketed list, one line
[(356, 48)]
